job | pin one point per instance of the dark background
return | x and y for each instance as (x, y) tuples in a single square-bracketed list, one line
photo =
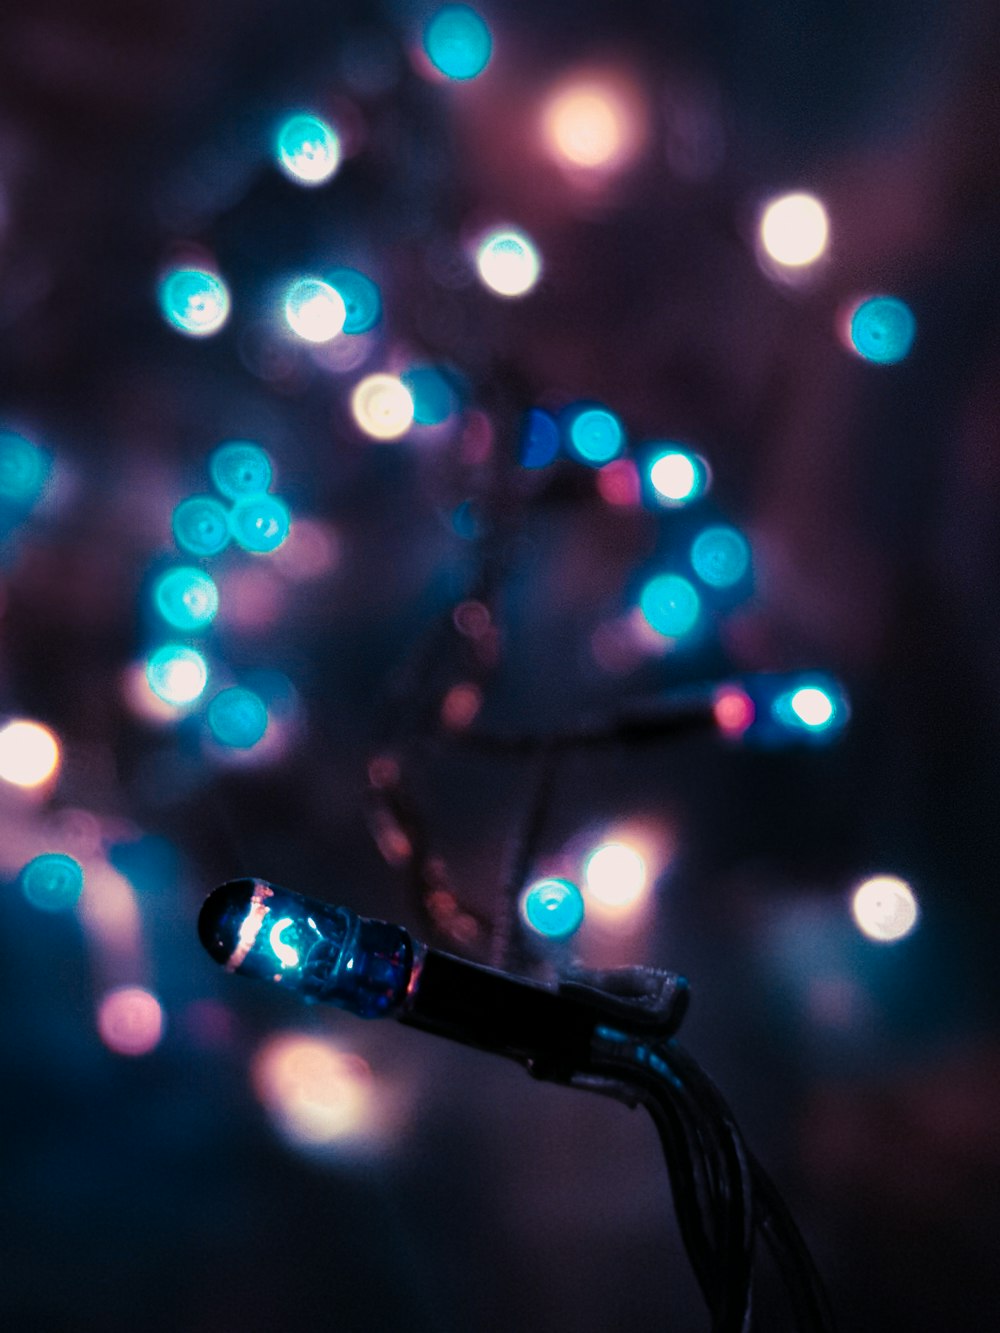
[(155, 1192)]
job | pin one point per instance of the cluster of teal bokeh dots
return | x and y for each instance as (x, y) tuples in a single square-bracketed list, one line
[(552, 908), (52, 882), (256, 520), (458, 42)]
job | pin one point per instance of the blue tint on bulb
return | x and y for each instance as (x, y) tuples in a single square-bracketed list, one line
[(596, 436), (360, 297), (539, 439), (670, 605), (24, 469), (176, 674), (552, 908), (307, 149), (201, 525), (433, 397), (52, 882), (883, 329), (237, 718), (458, 42), (720, 557), (194, 301), (240, 468), (186, 598), (260, 523)]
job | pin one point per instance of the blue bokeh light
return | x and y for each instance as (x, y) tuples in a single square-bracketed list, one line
[(194, 301), (883, 329), (458, 42), (596, 435), (360, 297), (177, 674), (720, 556), (186, 598), (552, 908), (670, 605), (240, 468), (260, 523), (201, 525), (539, 439), (237, 718), (24, 469), (307, 149), (52, 882), (434, 398)]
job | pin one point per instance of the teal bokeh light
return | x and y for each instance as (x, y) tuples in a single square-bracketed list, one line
[(176, 674), (201, 525), (240, 468), (52, 882), (186, 598), (883, 329), (552, 908), (811, 706), (458, 42), (720, 556), (434, 398), (260, 523), (670, 605), (194, 301), (237, 718), (596, 435), (24, 469), (360, 297), (307, 149)]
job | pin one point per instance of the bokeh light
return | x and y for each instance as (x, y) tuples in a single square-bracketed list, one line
[(552, 908), (362, 302), (458, 42), (539, 439), (670, 605), (882, 330), (809, 707), (237, 718), (615, 877), (314, 1092), (734, 710), (434, 398), (508, 262), (194, 301), (307, 149), (587, 124), (720, 556), (596, 435), (52, 882), (240, 468), (130, 1021), (29, 753), (884, 908), (382, 407), (176, 674), (314, 311), (260, 523), (794, 230), (677, 476), (24, 469), (186, 598), (201, 525)]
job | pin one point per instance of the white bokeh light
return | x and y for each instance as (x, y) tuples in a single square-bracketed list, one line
[(794, 230), (29, 753), (587, 124), (314, 311), (508, 262), (382, 406), (615, 877), (674, 476), (315, 1093), (812, 706), (884, 908)]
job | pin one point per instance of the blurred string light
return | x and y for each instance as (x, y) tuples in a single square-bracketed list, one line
[(201, 525), (52, 882), (307, 149), (776, 709), (669, 605), (24, 469), (314, 310), (361, 298), (382, 407), (508, 262), (240, 468), (237, 718), (615, 878), (29, 753), (808, 706), (794, 230), (552, 908), (176, 674), (677, 476), (194, 301), (260, 523), (720, 556), (458, 42), (130, 1021), (882, 330), (595, 435), (539, 443), (315, 1093), (589, 124), (434, 398), (884, 908), (186, 598)]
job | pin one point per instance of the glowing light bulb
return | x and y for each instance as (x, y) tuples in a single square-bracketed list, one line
[(314, 311), (882, 330), (240, 468), (176, 674), (615, 876), (885, 908), (794, 230), (260, 523), (508, 262), (720, 556), (382, 407), (596, 435), (194, 301), (552, 908), (588, 125), (130, 1021), (362, 302), (677, 477), (237, 718), (29, 753), (669, 605), (24, 469), (458, 42), (186, 598), (307, 149), (201, 525), (539, 439), (52, 882)]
